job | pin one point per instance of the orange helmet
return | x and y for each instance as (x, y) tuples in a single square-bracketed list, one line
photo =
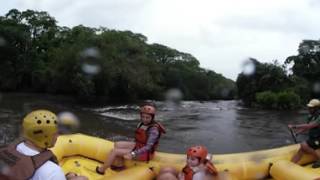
[(147, 109), (198, 151)]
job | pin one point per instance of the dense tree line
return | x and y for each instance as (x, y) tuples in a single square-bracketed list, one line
[(37, 55), (286, 86)]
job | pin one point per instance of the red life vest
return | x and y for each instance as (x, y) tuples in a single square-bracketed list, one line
[(19, 166), (141, 138), (189, 172)]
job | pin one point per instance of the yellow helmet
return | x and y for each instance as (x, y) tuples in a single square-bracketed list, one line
[(40, 127), (314, 103)]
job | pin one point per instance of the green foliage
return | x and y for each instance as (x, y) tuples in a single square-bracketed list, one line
[(43, 57), (288, 100), (267, 99), (307, 63), (306, 67), (266, 77), (270, 87), (280, 100)]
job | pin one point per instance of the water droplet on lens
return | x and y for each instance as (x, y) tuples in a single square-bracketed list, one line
[(2, 42), (316, 87), (248, 68), (68, 122), (305, 49), (91, 68), (260, 175), (91, 52), (174, 95), (90, 61), (225, 92), (4, 168)]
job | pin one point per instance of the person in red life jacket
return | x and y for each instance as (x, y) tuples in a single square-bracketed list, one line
[(147, 136), (198, 167), (31, 159)]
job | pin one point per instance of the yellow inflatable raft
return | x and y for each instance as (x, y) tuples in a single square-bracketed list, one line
[(81, 154)]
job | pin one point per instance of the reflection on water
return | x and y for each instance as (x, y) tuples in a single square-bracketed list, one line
[(223, 126)]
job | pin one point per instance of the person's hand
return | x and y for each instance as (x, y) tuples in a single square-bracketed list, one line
[(70, 175), (127, 156), (181, 176), (301, 130)]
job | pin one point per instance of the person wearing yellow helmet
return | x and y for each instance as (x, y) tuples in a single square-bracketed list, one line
[(31, 159), (313, 128)]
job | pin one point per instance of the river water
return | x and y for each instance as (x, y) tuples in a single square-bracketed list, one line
[(223, 126)]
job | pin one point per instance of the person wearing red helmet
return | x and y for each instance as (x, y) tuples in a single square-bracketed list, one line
[(198, 167), (147, 136)]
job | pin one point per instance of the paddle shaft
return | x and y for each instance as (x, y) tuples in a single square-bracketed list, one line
[(293, 135)]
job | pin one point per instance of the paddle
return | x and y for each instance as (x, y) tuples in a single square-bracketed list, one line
[(293, 135)]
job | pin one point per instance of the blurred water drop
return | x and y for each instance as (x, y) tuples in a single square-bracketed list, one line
[(2, 42), (225, 93), (316, 87), (248, 68), (260, 175), (91, 52), (224, 175), (91, 68), (68, 123), (316, 48), (174, 95), (4, 169), (288, 141), (305, 49), (90, 61), (26, 107)]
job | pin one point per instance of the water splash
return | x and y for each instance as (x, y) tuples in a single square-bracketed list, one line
[(90, 61), (68, 122), (248, 68)]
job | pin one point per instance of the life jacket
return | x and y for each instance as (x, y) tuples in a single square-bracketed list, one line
[(19, 166), (189, 172), (141, 138)]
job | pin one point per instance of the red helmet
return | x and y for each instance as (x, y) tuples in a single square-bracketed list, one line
[(198, 151), (147, 109)]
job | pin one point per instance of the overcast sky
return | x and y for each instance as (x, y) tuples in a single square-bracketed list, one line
[(220, 34)]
